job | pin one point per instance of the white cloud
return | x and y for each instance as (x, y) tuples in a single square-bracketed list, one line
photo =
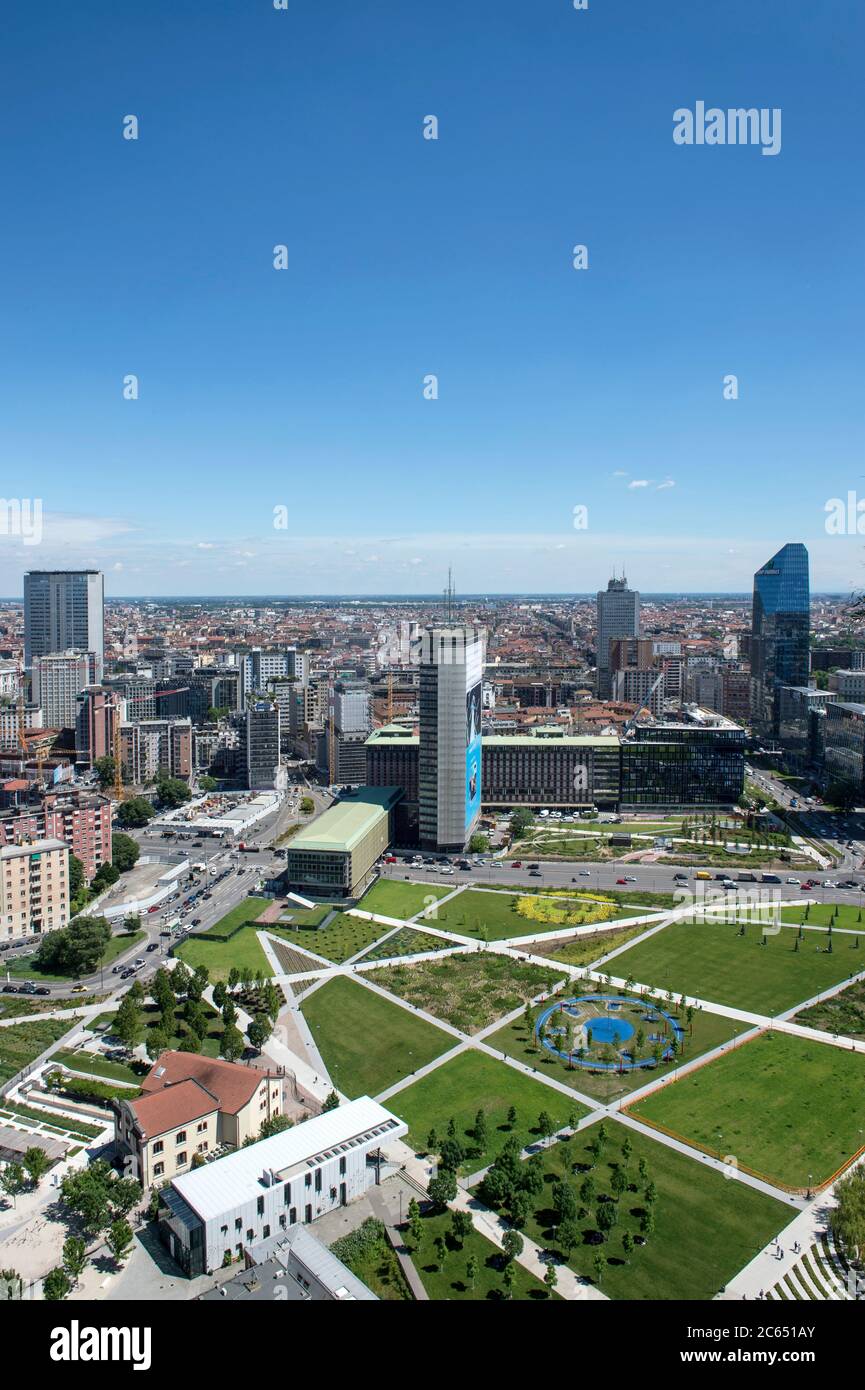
[(663, 486), (640, 482)]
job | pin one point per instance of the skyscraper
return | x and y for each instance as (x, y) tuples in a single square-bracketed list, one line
[(780, 632), (449, 755), (618, 616), (64, 611)]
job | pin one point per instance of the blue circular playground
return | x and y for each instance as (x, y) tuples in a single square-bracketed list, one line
[(576, 1030)]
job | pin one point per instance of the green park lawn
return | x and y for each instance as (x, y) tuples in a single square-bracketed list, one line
[(706, 1226), (708, 960), (366, 1042), (843, 1014), (246, 911), (842, 915), (474, 1081), (94, 1064), (21, 1043), (448, 1280), (789, 1109), (391, 898), (243, 952), (469, 990), (493, 916), (25, 967), (343, 937), (292, 917), (210, 1045), (707, 1030), (585, 949), (406, 942)]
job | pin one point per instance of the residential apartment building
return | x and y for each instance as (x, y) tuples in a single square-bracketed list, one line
[(34, 888), (58, 680), (192, 1105), (156, 747), (82, 820), (97, 711)]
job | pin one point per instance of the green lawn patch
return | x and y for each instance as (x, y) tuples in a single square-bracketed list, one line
[(50, 1119), (366, 1042), (369, 1255), (588, 947), (470, 990), (706, 1226), (96, 1065), (474, 1081), (787, 1108), (406, 942), (243, 952), (707, 1030), (209, 1047), (448, 1279), (343, 937), (239, 916), (493, 916), (844, 1013), (21, 1043), (390, 898), (709, 960)]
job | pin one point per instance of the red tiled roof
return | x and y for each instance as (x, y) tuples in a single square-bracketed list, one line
[(172, 1106), (232, 1085)]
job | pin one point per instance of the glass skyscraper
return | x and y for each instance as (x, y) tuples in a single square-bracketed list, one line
[(780, 634)]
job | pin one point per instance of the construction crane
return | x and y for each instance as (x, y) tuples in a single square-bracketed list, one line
[(632, 722)]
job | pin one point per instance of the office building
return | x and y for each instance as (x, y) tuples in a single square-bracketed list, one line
[(64, 611), (34, 888), (678, 766), (58, 680), (780, 631), (844, 749), (225, 1208), (449, 760), (259, 667), (260, 740), (335, 856), (292, 1267), (618, 616), (849, 686), (33, 719), (796, 725)]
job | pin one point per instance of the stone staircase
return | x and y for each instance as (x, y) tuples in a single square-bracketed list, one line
[(820, 1275)]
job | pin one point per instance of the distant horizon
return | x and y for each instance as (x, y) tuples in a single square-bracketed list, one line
[(744, 596)]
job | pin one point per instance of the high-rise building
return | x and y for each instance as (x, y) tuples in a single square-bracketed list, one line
[(64, 611), (618, 616), (58, 680), (449, 759), (156, 747), (34, 888), (780, 628), (261, 746), (94, 723)]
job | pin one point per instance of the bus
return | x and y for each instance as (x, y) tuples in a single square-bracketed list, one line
[(702, 873)]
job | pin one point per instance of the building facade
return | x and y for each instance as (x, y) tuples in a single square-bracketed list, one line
[(618, 616), (449, 757), (64, 611), (780, 634), (58, 680), (34, 888)]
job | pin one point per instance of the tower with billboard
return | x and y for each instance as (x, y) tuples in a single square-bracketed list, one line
[(449, 755)]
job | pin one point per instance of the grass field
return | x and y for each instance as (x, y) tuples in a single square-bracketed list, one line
[(25, 968), (366, 1042), (492, 916), (303, 916), (243, 952), (588, 947), (844, 1013), (210, 1045), (245, 911), (475, 1081), (407, 942), (821, 914), (391, 898), (707, 1031), (448, 1280), (706, 1227), (470, 990), (96, 1065), (20, 1043), (788, 1108), (710, 961), (50, 1120), (342, 938)]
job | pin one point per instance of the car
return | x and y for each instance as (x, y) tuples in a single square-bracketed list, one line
[(629, 878), (794, 881), (585, 873), (517, 864), (390, 859), (125, 974), (532, 866), (78, 989), (116, 969), (535, 873), (621, 880), (680, 878), (41, 989), (154, 946), (10, 989), (240, 871)]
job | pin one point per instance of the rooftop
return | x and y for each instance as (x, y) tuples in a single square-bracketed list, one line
[(241, 1176), (345, 824), (231, 1085)]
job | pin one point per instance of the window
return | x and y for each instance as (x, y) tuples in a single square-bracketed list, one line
[(158, 1169), (307, 1181), (287, 1194), (318, 1179), (282, 1220), (180, 1137), (181, 1158), (260, 1206), (202, 1127), (238, 1223), (158, 1146), (265, 1232), (342, 1167), (250, 1236)]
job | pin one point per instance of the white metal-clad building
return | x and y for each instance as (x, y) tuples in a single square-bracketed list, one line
[(296, 1176)]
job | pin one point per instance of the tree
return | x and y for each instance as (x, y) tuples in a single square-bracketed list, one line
[(479, 843), (104, 769), (599, 1265), (471, 1271), (461, 1226), (172, 792), (56, 1285), (12, 1180), (551, 1278), (512, 1116), (134, 813), (627, 1246), (512, 1244), (480, 1133), (415, 1221), (231, 1044), (442, 1189), (619, 1182), (36, 1164), (432, 1142), (441, 1250), (452, 1154), (104, 877), (587, 1191), (119, 1240), (275, 1125), (208, 784), (162, 993), (569, 1236), (564, 1201), (521, 821), (307, 805), (229, 1013), (195, 1018), (546, 1125), (74, 1258), (607, 1218), (331, 1102), (74, 950), (519, 1206), (128, 1023), (124, 852), (98, 1197), (647, 1223), (651, 1194), (156, 1041), (847, 1219), (76, 877), (508, 1279)]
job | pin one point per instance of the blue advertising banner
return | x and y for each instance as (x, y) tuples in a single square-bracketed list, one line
[(473, 753)]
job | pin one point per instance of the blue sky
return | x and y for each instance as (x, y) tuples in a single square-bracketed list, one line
[(303, 388)]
